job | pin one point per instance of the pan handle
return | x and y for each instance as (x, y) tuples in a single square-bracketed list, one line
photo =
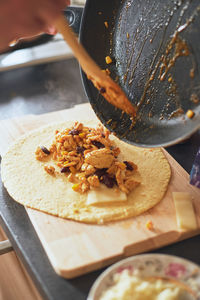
[(5, 247), (73, 15)]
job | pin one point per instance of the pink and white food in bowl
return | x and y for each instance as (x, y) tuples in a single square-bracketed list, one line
[(148, 277)]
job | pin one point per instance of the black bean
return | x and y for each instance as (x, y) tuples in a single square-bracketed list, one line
[(108, 180), (102, 90), (100, 172), (98, 144), (64, 170), (80, 149), (115, 180), (74, 132), (45, 150), (128, 166)]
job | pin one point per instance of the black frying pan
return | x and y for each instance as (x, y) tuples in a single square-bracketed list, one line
[(139, 40)]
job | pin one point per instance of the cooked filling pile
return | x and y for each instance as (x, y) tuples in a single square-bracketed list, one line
[(88, 157)]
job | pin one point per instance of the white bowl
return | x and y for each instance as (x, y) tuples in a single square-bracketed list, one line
[(151, 265)]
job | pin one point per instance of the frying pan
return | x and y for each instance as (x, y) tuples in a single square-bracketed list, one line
[(139, 39)]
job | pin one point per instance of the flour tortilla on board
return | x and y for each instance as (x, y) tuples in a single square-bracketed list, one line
[(29, 184)]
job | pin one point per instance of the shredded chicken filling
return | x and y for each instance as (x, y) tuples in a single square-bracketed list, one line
[(88, 157)]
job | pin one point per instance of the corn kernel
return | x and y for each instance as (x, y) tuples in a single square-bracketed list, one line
[(149, 225), (190, 114), (108, 60), (127, 35), (106, 24), (64, 152), (82, 135), (106, 71), (75, 187), (66, 162), (170, 79)]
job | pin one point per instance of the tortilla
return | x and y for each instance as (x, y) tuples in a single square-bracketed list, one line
[(27, 182)]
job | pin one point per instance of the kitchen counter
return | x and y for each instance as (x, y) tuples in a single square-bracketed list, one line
[(42, 89)]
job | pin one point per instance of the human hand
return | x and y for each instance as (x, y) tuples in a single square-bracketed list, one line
[(25, 18)]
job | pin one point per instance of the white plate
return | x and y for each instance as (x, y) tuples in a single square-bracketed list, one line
[(148, 265)]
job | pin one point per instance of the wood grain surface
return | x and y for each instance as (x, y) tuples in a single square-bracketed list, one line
[(75, 248), (15, 283)]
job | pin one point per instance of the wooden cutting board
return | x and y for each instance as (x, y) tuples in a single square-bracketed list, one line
[(75, 248)]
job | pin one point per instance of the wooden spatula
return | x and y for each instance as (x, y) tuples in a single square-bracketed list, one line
[(107, 87)]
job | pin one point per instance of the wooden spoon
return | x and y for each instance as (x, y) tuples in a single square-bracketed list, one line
[(110, 90)]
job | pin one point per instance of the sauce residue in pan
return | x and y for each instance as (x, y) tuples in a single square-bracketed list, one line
[(167, 61), (163, 61), (176, 113), (180, 49), (171, 45), (194, 98)]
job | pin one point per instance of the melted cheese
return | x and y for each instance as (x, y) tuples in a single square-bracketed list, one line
[(185, 214)]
